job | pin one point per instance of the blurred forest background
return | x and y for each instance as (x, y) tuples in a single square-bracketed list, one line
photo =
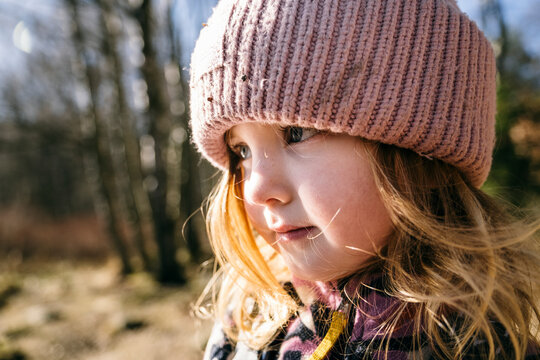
[(101, 233)]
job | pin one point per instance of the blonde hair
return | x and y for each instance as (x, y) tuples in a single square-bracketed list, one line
[(247, 288), (454, 251)]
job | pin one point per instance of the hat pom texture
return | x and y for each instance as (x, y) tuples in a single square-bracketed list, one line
[(417, 74)]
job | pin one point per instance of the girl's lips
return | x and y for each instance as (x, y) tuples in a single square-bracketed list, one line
[(296, 234)]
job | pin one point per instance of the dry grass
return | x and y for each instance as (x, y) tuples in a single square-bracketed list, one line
[(31, 233), (64, 310)]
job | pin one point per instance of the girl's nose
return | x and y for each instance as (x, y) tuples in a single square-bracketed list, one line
[(266, 182)]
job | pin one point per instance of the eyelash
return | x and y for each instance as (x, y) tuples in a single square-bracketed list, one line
[(238, 148), (285, 130)]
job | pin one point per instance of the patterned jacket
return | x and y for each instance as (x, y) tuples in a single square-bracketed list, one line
[(362, 338)]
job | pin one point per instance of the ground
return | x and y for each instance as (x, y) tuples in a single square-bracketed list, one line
[(64, 310)]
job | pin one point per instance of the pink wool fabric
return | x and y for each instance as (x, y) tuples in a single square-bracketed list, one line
[(417, 74)]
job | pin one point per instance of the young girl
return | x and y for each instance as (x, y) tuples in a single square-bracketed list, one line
[(354, 136)]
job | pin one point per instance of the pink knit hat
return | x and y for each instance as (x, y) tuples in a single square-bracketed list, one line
[(417, 74)]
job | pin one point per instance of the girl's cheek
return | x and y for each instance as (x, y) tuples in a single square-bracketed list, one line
[(257, 221), (254, 212), (255, 216)]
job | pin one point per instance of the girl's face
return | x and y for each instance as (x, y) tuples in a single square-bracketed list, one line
[(312, 196)]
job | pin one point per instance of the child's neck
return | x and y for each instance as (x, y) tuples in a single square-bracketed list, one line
[(330, 293)]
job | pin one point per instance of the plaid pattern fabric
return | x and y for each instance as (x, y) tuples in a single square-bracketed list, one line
[(362, 339)]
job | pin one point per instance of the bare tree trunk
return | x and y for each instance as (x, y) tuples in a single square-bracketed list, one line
[(516, 166), (101, 146), (164, 203), (190, 187), (191, 204), (492, 11), (142, 211)]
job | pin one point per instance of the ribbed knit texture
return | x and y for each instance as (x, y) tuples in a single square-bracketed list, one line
[(418, 74)]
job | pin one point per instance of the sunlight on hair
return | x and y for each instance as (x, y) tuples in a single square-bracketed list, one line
[(361, 250)]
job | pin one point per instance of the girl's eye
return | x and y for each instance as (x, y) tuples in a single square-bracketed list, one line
[(243, 151), (291, 135), (295, 134)]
